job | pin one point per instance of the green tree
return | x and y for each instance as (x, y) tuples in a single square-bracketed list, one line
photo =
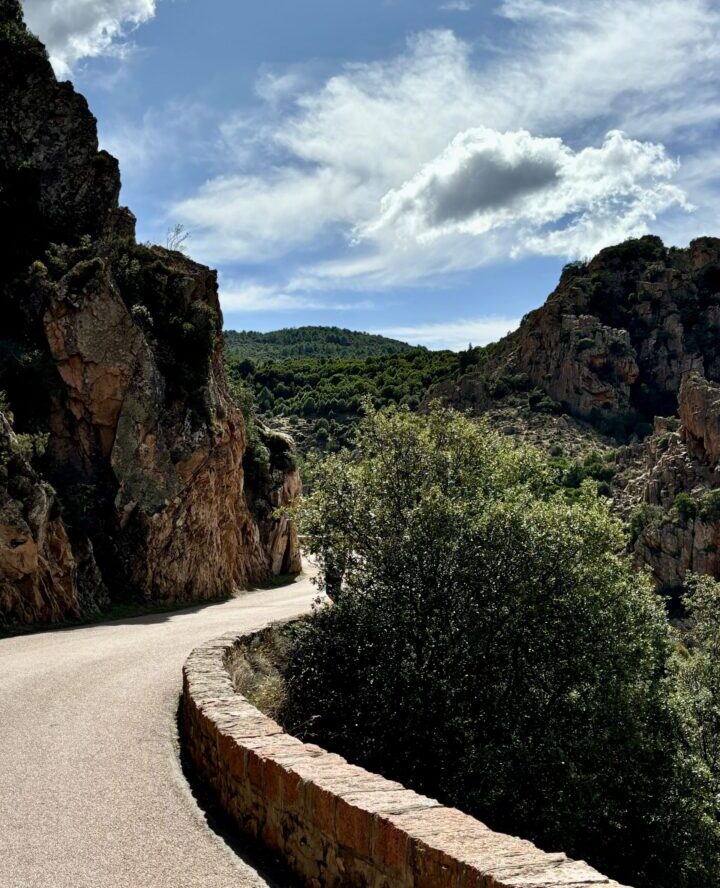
[(487, 646), (700, 670)]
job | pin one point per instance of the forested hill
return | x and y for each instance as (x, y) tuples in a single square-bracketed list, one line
[(318, 399), (309, 342)]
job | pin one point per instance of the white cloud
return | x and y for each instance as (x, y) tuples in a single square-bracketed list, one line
[(257, 218), (455, 335), (337, 162), (456, 6), (249, 296), (77, 29), (544, 196)]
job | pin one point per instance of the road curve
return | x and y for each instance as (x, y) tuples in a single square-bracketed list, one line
[(91, 790)]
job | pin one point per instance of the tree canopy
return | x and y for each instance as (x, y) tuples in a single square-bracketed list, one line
[(488, 646)]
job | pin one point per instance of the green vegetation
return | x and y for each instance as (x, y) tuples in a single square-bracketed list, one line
[(328, 394), (595, 466), (542, 403), (489, 647), (709, 506), (699, 671), (644, 517), (308, 342), (685, 506)]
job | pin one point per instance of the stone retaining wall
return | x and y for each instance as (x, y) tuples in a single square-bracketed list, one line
[(333, 823)]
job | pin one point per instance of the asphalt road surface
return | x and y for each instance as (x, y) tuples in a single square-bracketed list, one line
[(92, 794)]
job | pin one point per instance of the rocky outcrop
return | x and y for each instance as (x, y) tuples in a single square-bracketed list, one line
[(615, 339), (628, 337), (275, 532), (38, 570), (678, 528), (699, 410), (115, 358), (578, 361)]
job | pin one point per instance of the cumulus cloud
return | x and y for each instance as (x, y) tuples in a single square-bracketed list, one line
[(548, 197), (77, 29)]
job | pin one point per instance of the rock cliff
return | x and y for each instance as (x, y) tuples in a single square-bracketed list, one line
[(628, 337), (615, 339), (111, 360), (677, 528)]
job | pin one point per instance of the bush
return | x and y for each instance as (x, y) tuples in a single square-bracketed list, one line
[(685, 506), (709, 507), (487, 646), (542, 403), (642, 518)]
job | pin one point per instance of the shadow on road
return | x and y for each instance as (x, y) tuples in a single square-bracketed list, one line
[(253, 853), (151, 614)]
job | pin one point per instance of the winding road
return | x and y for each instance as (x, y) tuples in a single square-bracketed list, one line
[(91, 790)]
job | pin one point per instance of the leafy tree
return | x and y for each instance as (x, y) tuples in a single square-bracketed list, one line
[(488, 646), (700, 670)]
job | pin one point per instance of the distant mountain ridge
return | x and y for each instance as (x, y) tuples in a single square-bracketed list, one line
[(309, 342)]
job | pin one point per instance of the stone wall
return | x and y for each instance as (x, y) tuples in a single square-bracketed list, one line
[(333, 823)]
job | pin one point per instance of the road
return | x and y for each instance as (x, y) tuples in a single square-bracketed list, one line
[(91, 790)]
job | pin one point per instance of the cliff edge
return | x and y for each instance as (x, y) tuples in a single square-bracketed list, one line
[(122, 455)]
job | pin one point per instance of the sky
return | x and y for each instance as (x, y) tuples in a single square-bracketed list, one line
[(418, 168)]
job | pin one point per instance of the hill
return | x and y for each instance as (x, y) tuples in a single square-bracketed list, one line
[(319, 399), (307, 342)]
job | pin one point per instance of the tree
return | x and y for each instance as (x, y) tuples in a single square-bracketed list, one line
[(699, 671), (487, 646)]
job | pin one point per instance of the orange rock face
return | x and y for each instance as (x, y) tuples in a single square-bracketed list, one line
[(144, 492), (700, 415), (37, 566)]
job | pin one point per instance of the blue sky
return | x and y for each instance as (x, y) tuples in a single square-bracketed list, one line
[(414, 167)]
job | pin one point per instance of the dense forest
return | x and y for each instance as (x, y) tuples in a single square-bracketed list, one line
[(305, 342), (319, 398)]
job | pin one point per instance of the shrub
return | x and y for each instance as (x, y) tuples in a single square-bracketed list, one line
[(487, 646), (709, 507), (685, 506), (542, 403), (643, 517)]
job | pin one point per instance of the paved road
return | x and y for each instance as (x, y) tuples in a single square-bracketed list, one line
[(91, 790)]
